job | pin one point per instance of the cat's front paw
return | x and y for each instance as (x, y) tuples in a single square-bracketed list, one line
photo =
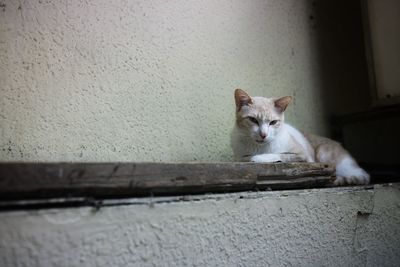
[(264, 158)]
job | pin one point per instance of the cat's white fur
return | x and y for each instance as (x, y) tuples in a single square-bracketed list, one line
[(261, 135)]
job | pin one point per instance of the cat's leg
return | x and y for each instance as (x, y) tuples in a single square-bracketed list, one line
[(281, 157), (348, 172), (347, 169)]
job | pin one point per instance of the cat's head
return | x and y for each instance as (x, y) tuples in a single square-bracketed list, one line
[(260, 118)]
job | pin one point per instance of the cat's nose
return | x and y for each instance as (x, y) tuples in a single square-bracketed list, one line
[(263, 135)]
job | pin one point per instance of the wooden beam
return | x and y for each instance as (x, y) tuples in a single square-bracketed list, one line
[(375, 113), (49, 180)]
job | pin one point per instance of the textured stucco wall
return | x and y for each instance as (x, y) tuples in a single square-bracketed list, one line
[(325, 227), (144, 80), (154, 80)]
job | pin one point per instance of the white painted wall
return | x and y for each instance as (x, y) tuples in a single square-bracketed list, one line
[(154, 80), (320, 227)]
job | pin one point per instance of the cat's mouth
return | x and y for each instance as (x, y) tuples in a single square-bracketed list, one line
[(261, 141)]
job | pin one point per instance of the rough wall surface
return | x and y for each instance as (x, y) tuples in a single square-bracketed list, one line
[(326, 227), (147, 80)]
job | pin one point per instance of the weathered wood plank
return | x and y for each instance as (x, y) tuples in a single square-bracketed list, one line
[(44, 180)]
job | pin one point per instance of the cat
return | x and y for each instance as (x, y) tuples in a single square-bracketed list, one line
[(261, 135)]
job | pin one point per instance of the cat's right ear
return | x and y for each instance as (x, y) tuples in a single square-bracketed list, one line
[(242, 99)]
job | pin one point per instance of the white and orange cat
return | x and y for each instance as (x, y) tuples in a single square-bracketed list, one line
[(261, 135)]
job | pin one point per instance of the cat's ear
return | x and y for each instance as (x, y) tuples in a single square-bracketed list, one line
[(242, 99), (282, 103)]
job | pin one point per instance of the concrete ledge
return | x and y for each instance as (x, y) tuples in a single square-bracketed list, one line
[(357, 226)]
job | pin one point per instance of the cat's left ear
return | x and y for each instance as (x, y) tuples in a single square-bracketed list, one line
[(282, 103)]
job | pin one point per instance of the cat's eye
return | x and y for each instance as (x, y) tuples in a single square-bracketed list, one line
[(273, 122), (253, 120)]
